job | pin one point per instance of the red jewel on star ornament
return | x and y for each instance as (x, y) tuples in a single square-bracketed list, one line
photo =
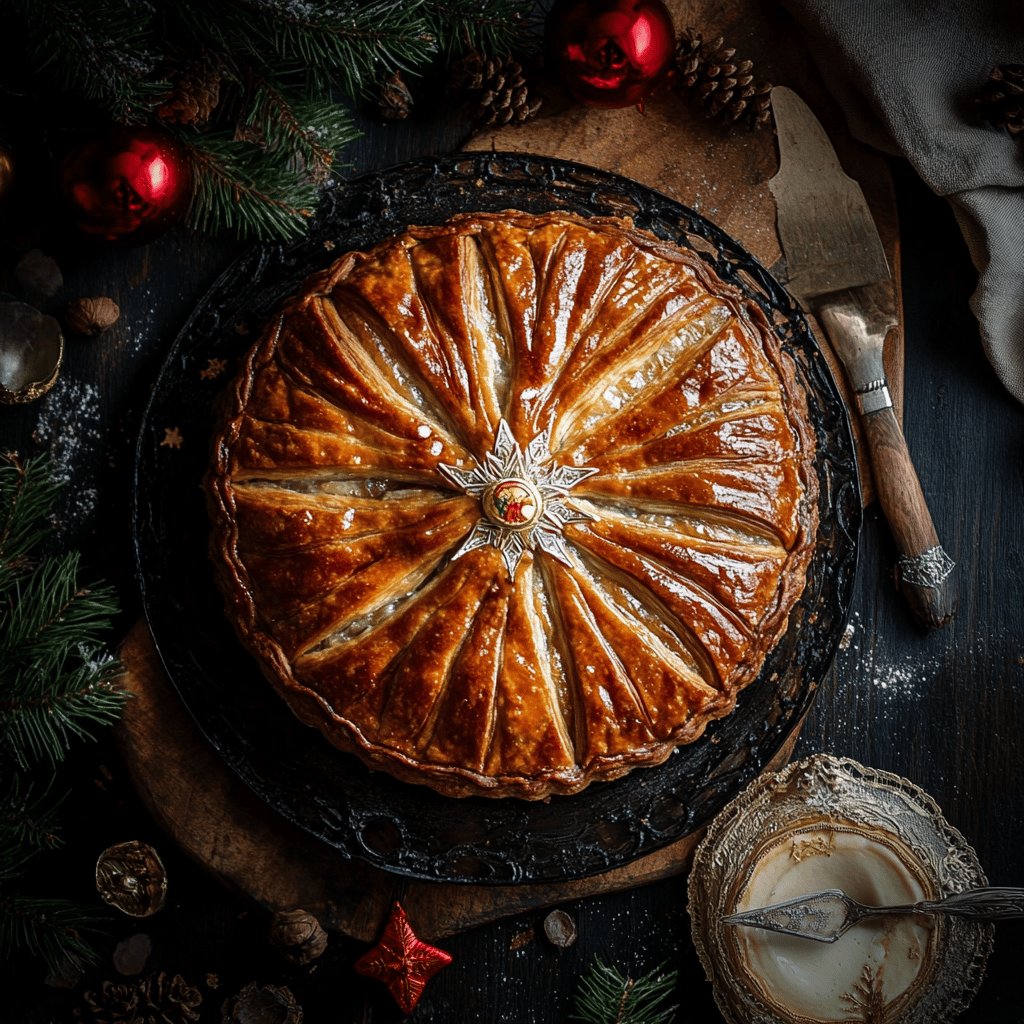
[(610, 53), (402, 961), (128, 185)]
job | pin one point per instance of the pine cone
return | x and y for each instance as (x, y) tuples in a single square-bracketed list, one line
[(1001, 101), (157, 999), (466, 73), (114, 1003), (498, 87), (194, 95), (689, 57), (723, 86), (395, 100), (170, 1000)]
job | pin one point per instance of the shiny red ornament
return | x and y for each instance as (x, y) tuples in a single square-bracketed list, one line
[(402, 961), (129, 185), (610, 53)]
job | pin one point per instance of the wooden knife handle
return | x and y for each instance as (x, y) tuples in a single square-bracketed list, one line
[(924, 568)]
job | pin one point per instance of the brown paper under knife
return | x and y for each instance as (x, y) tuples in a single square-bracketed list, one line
[(836, 268)]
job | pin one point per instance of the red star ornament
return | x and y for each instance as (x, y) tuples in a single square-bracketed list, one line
[(402, 961)]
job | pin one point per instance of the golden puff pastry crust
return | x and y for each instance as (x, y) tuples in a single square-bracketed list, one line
[(513, 503)]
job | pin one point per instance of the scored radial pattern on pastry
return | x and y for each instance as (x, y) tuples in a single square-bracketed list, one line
[(532, 473), (514, 503)]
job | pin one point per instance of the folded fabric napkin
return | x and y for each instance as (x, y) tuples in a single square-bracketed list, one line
[(906, 73)]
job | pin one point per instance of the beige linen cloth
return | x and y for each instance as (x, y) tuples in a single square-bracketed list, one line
[(906, 73)]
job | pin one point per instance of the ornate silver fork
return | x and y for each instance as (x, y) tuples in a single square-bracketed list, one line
[(825, 916)]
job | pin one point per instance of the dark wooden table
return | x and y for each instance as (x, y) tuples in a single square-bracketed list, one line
[(945, 709)]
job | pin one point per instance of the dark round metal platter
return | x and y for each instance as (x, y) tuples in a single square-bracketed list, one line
[(407, 829)]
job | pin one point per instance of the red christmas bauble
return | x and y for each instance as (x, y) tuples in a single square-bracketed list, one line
[(129, 185), (610, 53)]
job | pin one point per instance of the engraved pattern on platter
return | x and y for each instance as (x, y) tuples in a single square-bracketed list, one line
[(522, 496)]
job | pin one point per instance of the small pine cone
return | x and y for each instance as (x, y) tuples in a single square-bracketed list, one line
[(759, 106), (113, 1003), (1001, 101), (168, 1000), (466, 73), (688, 57), (297, 933), (194, 95), (723, 86), (394, 101), (499, 87), (505, 96)]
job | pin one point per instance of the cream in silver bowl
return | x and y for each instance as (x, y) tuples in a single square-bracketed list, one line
[(831, 823)]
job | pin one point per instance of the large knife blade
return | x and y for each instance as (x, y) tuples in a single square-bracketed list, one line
[(836, 268)]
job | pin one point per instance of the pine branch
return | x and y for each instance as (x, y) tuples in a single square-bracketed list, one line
[(279, 67), (309, 132), (49, 613), (38, 726), (27, 821), (57, 930), (28, 494), (354, 45), (606, 996), (97, 50), (238, 187), (489, 26), (55, 684)]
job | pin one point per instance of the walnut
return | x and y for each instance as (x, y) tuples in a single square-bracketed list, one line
[(92, 315), (297, 933), (131, 877)]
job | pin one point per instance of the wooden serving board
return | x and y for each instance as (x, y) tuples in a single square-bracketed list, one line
[(203, 806)]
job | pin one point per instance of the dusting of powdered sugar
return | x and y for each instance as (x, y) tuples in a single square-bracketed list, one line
[(900, 680), (69, 430), (904, 681), (138, 334)]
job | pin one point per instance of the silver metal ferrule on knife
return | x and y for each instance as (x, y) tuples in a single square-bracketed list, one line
[(836, 268)]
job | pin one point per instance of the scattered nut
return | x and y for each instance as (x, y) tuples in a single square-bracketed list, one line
[(298, 935), (39, 273), (92, 316), (560, 929), (131, 877), (132, 954)]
